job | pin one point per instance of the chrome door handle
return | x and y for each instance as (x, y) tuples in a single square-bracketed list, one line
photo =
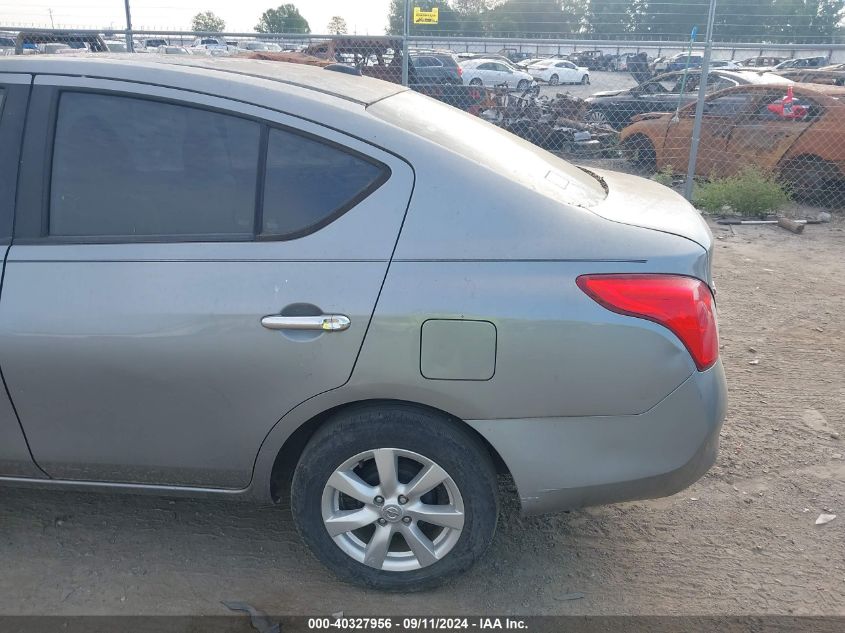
[(327, 322)]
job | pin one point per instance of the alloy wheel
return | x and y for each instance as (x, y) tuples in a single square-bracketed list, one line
[(393, 509)]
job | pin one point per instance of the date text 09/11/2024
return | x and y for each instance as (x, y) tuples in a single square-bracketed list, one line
[(422, 623)]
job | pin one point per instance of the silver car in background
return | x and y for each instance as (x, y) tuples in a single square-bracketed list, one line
[(255, 280)]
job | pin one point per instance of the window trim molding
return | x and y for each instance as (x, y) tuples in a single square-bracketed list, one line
[(36, 230)]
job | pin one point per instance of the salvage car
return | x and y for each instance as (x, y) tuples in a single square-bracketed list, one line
[(559, 71), (435, 67), (491, 72), (802, 62), (665, 93), (684, 60), (799, 135), (833, 75), (361, 300), (761, 62)]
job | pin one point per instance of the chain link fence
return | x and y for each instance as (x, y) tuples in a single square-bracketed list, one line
[(771, 107)]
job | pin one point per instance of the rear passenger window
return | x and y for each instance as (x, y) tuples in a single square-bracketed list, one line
[(309, 183), (134, 167)]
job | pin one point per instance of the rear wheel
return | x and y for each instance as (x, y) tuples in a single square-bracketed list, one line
[(554, 80), (812, 179), (475, 82), (395, 497), (596, 117), (523, 84), (639, 151), (585, 80)]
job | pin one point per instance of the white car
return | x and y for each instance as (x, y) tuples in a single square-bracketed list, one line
[(559, 71), (173, 50), (116, 46), (488, 72)]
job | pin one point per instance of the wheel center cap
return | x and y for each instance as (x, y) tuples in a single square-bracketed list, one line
[(392, 513)]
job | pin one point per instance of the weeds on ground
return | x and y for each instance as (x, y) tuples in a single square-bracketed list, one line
[(751, 192), (665, 176)]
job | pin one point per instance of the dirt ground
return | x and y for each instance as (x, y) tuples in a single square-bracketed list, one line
[(740, 541)]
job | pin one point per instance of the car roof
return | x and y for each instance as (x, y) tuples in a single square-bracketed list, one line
[(166, 70)]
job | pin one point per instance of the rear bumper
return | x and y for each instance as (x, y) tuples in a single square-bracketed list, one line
[(572, 462)]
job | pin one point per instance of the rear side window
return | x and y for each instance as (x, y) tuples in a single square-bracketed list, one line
[(135, 167), (309, 183)]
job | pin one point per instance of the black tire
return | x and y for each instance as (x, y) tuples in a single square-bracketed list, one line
[(476, 82), (554, 80), (523, 85), (585, 80), (597, 116), (811, 179), (406, 427), (639, 151)]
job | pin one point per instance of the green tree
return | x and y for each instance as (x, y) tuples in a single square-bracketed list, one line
[(337, 26), (796, 21), (448, 20), (396, 18), (283, 19), (608, 18), (537, 18), (208, 22)]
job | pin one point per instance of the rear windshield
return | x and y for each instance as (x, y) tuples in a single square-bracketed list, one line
[(490, 147)]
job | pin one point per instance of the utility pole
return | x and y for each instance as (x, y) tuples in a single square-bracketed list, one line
[(699, 106), (405, 60), (129, 46), (50, 11)]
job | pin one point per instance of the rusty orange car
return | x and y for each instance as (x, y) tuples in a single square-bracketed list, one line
[(797, 133)]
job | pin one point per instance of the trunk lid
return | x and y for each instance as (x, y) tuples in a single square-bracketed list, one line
[(640, 202)]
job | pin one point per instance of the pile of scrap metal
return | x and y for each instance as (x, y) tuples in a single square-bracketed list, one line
[(556, 123)]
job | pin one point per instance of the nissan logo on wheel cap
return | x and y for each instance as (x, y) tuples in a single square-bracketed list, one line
[(392, 513)]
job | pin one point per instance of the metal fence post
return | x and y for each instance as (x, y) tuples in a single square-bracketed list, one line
[(699, 106), (405, 42), (129, 45)]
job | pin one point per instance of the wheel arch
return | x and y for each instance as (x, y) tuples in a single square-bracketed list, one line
[(641, 134), (286, 456)]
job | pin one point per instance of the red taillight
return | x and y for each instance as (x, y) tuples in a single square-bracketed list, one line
[(682, 304), (460, 71)]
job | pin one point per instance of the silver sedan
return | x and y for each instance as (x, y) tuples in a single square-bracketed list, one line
[(256, 280)]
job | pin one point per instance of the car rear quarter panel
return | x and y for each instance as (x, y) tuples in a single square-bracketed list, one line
[(824, 138), (478, 246)]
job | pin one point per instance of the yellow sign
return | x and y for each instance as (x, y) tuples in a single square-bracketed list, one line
[(425, 17)]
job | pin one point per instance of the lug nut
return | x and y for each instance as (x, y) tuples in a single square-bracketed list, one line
[(406, 520), (382, 521), (403, 499), (379, 500)]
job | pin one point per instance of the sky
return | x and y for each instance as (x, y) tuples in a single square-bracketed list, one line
[(366, 17)]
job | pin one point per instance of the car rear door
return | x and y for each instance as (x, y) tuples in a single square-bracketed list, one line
[(764, 136), (186, 269), (15, 459), (504, 75), (719, 120)]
